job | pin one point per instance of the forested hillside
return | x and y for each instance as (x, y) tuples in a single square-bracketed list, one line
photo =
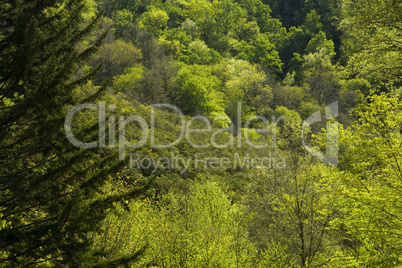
[(201, 133)]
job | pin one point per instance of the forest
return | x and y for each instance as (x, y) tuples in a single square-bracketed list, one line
[(201, 133)]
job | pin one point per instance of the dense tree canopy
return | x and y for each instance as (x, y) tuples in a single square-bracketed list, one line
[(194, 133)]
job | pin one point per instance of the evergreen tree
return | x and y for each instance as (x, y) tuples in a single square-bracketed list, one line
[(48, 187)]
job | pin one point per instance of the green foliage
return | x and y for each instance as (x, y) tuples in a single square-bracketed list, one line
[(116, 57), (260, 13), (320, 41), (260, 51), (247, 31), (122, 18), (321, 78), (214, 20), (208, 231), (287, 96), (129, 81), (294, 205), (133, 226), (198, 90), (295, 42), (294, 76), (373, 40), (199, 53), (112, 6), (287, 11), (158, 81), (371, 182), (154, 20), (230, 61), (358, 85), (250, 88), (330, 13), (275, 257), (175, 41), (312, 24), (190, 28), (48, 187)]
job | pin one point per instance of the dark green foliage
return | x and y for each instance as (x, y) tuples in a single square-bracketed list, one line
[(287, 10), (372, 41), (256, 71), (47, 187), (115, 58)]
